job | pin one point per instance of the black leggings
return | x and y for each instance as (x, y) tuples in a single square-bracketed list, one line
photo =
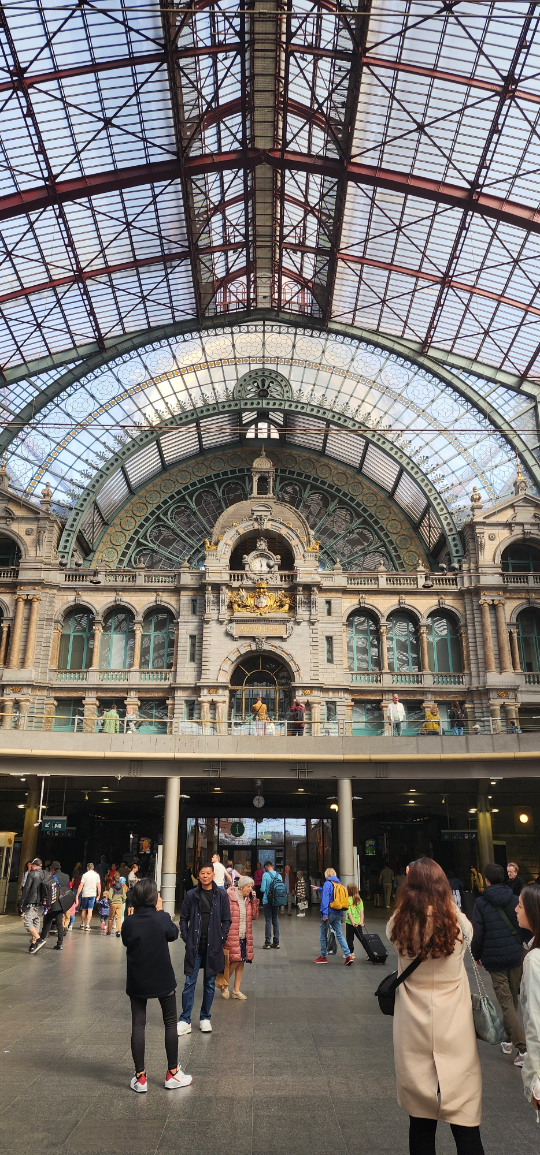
[(422, 1138), (138, 1024), (57, 917)]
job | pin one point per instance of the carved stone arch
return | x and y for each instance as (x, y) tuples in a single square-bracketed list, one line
[(452, 611), (228, 664), (369, 607), (14, 536), (65, 610), (406, 608), (149, 606), (114, 605), (235, 533), (6, 613), (532, 538), (524, 605)]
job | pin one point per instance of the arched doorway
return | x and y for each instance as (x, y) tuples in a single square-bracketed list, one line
[(260, 674)]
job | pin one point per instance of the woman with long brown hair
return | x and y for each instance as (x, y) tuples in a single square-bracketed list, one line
[(528, 916), (436, 1056)]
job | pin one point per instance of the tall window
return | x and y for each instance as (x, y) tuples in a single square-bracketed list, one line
[(117, 641), (444, 650), (521, 559), (77, 641), (402, 643), (157, 641), (192, 648), (330, 651), (363, 650), (529, 639), (10, 553)]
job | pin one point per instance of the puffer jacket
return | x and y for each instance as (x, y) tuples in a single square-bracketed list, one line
[(493, 943), (233, 940)]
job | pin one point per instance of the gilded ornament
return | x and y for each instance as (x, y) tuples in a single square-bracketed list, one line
[(260, 601)]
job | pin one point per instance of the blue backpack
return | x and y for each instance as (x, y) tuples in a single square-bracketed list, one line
[(276, 893)]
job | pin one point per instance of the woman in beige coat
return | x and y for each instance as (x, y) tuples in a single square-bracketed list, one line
[(436, 1056)]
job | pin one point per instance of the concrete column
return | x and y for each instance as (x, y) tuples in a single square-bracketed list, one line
[(489, 656), (495, 711), (424, 661), (30, 650), (485, 832), (3, 642), (345, 831), (15, 648), (137, 647), (170, 844), (30, 832), (465, 656), (502, 637), (7, 712), (514, 648), (383, 630), (97, 630)]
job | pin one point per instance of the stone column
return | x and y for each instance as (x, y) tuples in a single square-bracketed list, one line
[(495, 711), (489, 656), (502, 637), (132, 704), (464, 643), (514, 648), (55, 647), (48, 714), (30, 650), (30, 830), (469, 713), (15, 648), (383, 630), (221, 716), (512, 713), (170, 844), (423, 648), (97, 630), (387, 726), (3, 643), (7, 712), (137, 629), (205, 715), (90, 707), (485, 832), (345, 831), (170, 714), (24, 706), (315, 718)]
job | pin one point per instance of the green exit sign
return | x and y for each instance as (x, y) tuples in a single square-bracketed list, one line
[(54, 824)]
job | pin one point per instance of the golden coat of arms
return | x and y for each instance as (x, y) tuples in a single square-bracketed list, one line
[(260, 601)]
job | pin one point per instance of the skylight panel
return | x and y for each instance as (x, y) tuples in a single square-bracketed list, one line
[(410, 497), (380, 467), (179, 443), (345, 446), (143, 465), (219, 430), (306, 431), (430, 528), (112, 495)]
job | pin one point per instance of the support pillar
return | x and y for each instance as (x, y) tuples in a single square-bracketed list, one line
[(90, 708), (7, 712), (55, 646), (424, 661), (505, 659), (345, 831), (512, 713), (97, 631), (15, 648), (30, 650), (48, 714), (465, 656), (495, 711), (485, 832), (315, 717), (205, 715), (383, 631), (489, 655), (30, 831), (170, 844), (514, 648), (137, 629), (24, 706), (3, 643)]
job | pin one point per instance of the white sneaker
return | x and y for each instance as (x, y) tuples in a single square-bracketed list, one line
[(205, 1025), (183, 1028), (507, 1048), (177, 1080), (139, 1084), (518, 1061)]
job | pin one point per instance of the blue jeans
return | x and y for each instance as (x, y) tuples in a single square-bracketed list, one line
[(457, 729), (334, 920), (188, 993), (271, 920)]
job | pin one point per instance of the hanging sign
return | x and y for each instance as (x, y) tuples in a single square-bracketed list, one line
[(237, 829), (54, 823)]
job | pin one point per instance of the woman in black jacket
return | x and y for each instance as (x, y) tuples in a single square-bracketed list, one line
[(146, 934)]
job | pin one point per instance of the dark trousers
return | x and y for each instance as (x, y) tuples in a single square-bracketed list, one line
[(54, 916), (422, 1138), (271, 921), (138, 1025)]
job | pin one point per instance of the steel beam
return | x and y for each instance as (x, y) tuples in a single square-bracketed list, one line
[(135, 61), (375, 62)]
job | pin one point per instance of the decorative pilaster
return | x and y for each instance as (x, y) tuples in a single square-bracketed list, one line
[(32, 632), (48, 714), (97, 630), (137, 629), (423, 648), (7, 712), (90, 705), (465, 655), (489, 655), (502, 638), (15, 648), (495, 712), (55, 647), (514, 649), (24, 706), (383, 631), (4, 642)]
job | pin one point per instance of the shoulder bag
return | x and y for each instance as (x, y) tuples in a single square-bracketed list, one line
[(487, 1023), (386, 991)]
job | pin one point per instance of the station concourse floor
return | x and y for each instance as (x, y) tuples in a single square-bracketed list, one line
[(304, 1067)]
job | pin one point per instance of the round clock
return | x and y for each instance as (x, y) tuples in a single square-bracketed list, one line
[(258, 801)]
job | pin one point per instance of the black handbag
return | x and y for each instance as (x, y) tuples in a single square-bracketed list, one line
[(386, 991)]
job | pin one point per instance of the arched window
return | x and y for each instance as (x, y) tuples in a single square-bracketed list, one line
[(157, 641), (529, 639), (10, 553), (117, 641), (402, 641), (77, 641), (520, 558), (363, 649), (444, 650)]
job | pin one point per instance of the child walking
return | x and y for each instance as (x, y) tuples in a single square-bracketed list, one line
[(103, 907), (146, 934), (355, 915), (117, 898)]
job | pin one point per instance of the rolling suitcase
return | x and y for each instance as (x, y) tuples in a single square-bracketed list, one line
[(373, 946)]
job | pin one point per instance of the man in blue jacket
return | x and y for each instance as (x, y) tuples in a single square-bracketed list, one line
[(270, 910), (497, 945), (205, 921), (330, 917)]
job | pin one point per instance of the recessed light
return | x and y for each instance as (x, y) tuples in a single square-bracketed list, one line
[(412, 790), (524, 818), (472, 810), (301, 790), (334, 806), (411, 801), (20, 806), (494, 810), (217, 789)]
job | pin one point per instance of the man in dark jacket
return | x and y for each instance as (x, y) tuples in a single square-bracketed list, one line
[(31, 903), (515, 882), (205, 921), (55, 912), (498, 946)]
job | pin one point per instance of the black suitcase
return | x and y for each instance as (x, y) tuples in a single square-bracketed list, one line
[(373, 946)]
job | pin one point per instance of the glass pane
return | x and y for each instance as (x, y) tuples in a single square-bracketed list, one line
[(145, 651), (296, 844), (270, 832), (228, 838), (63, 652), (76, 661), (158, 654)]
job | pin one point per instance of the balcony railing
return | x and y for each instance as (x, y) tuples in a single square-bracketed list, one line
[(365, 678), (408, 678), (155, 675), (532, 679), (521, 579), (11, 572), (72, 675), (279, 577)]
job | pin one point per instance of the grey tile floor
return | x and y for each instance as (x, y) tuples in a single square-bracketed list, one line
[(304, 1067)]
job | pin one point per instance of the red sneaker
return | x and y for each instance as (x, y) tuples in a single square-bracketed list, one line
[(349, 960), (139, 1084), (320, 959)]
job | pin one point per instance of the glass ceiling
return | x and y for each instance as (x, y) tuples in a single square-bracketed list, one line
[(353, 164)]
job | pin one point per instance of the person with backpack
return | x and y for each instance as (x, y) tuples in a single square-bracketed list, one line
[(31, 903), (498, 946), (273, 895), (117, 897), (55, 885), (334, 900), (298, 711)]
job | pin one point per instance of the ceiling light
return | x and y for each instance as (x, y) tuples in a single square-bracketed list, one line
[(473, 810), (334, 806), (217, 789), (159, 795), (494, 810), (182, 795), (443, 799), (412, 790), (411, 801), (301, 790), (524, 818), (20, 806)]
